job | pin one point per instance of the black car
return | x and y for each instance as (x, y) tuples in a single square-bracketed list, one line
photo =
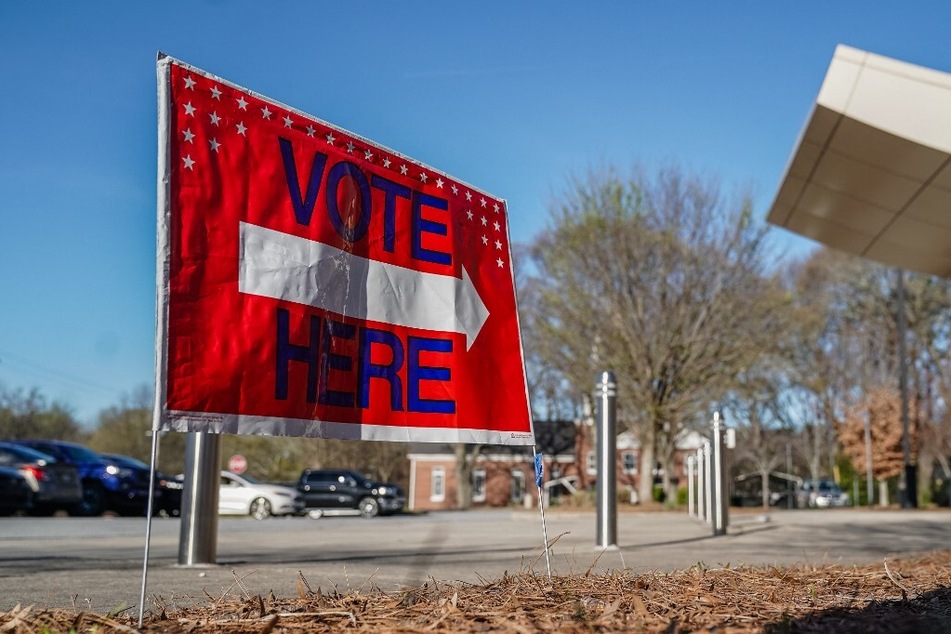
[(168, 490), (55, 485), (342, 492), (105, 486), (15, 492)]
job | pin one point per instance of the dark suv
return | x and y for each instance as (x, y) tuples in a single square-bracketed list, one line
[(106, 486), (340, 492)]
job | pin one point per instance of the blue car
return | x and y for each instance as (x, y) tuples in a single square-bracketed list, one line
[(106, 486)]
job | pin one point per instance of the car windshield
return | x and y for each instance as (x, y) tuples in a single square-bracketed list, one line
[(126, 461), (360, 480), (249, 479), (81, 454)]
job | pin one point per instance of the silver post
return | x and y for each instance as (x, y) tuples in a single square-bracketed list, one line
[(701, 485), (707, 482), (720, 493), (606, 394), (689, 486), (198, 539)]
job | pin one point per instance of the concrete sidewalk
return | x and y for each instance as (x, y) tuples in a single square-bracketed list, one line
[(96, 563)]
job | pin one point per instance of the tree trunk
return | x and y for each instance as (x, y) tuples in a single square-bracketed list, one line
[(883, 492), (764, 490), (465, 461), (645, 489)]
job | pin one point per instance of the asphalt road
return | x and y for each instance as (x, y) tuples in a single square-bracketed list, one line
[(96, 563)]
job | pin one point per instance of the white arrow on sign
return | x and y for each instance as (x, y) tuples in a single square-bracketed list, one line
[(281, 266)]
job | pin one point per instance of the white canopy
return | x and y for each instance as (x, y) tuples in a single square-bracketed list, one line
[(870, 174)]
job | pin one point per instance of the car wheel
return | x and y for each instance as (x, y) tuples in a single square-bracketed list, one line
[(260, 509), (92, 504), (369, 507)]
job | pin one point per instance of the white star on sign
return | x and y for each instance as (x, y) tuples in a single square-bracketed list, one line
[(214, 118), (265, 112), (422, 176), (404, 170), (214, 144), (189, 135), (469, 196), (439, 183), (484, 221), (287, 122), (189, 83), (469, 214), (482, 200), (386, 162), (189, 109), (330, 138), (242, 103), (215, 93), (501, 263), (485, 240), (242, 128), (455, 190), (496, 207), (350, 147), (188, 161), (496, 225), (498, 244), (368, 155), (310, 130)]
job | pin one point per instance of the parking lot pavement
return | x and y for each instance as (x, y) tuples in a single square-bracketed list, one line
[(96, 563)]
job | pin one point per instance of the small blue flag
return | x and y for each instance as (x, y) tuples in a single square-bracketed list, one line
[(539, 470)]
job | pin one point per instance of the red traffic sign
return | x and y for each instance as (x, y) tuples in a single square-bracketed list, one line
[(315, 283), (237, 464)]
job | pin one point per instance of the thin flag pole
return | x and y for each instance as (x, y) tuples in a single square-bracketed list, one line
[(539, 479), (148, 524)]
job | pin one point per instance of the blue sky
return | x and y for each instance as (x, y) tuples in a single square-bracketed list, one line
[(511, 97)]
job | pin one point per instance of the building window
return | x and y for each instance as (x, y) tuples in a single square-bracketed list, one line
[(630, 462), (437, 492), (478, 485), (518, 485), (590, 463)]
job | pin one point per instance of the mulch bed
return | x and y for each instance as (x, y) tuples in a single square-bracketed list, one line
[(896, 595)]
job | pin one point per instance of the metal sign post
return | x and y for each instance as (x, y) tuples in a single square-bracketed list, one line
[(198, 539), (605, 392)]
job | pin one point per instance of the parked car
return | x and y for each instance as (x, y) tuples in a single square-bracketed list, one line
[(821, 494), (15, 492), (168, 490), (55, 485), (105, 486), (342, 492), (243, 495)]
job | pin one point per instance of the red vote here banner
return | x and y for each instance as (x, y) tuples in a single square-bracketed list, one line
[(314, 283)]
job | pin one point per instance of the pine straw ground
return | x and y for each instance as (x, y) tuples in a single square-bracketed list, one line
[(910, 595)]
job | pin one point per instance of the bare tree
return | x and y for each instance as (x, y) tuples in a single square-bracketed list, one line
[(662, 280)]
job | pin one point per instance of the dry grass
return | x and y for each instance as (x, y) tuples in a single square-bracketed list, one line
[(911, 595)]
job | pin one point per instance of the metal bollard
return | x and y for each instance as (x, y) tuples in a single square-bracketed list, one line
[(707, 482), (701, 485), (721, 496), (198, 537), (605, 392), (690, 486)]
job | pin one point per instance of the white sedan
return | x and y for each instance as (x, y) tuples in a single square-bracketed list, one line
[(243, 495)]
